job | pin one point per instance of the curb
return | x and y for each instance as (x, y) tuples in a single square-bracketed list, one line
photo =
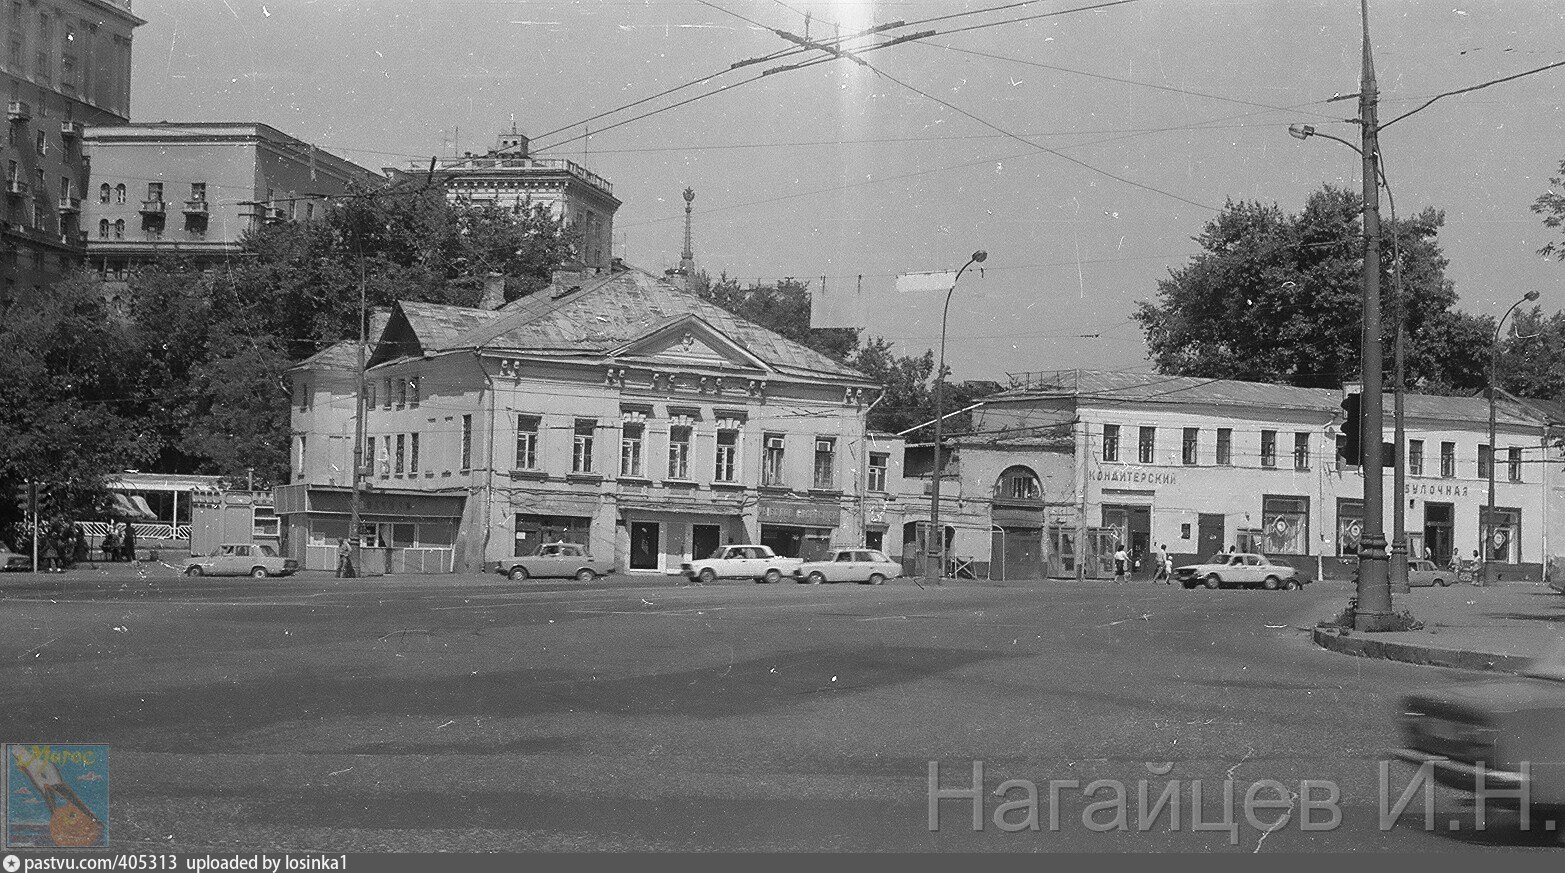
[(1333, 640)]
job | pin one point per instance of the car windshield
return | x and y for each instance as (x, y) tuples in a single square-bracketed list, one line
[(1219, 558), (1550, 664)]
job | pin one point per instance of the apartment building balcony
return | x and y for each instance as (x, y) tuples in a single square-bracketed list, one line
[(15, 187), (18, 110), (196, 207), (70, 204), (72, 129), (153, 207)]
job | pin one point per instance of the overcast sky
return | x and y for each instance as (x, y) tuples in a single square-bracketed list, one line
[(846, 171)]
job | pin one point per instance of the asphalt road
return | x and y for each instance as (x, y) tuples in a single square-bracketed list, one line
[(460, 713)]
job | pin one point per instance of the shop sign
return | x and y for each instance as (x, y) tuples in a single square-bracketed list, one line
[(1133, 474), (1436, 490), (799, 513)]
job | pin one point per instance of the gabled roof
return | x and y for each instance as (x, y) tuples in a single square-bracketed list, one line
[(1149, 388), (417, 329), (340, 355), (608, 314)]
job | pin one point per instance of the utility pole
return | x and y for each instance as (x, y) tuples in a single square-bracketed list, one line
[(1374, 590), (358, 431)]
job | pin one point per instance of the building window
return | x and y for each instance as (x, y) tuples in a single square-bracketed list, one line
[(155, 192), (413, 398), (825, 464), (581, 445), (1191, 445), (1146, 447), (630, 450), (878, 461), (1225, 446), (198, 192), (401, 454), (1268, 448), (387, 386), (385, 456), (1350, 526), (1285, 525), (1301, 451), (65, 187), (1018, 483), (1415, 457), (369, 456), (772, 460), (1513, 458), (119, 229), (302, 440), (1500, 534), (1111, 442), (402, 393), (304, 396), (727, 456), (527, 442), (103, 228), (467, 442), (41, 143), (369, 394), (103, 193), (1485, 460), (1448, 460), (119, 193), (413, 453), (679, 452)]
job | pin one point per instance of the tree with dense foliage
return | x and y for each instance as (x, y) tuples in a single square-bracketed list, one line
[(1275, 297)]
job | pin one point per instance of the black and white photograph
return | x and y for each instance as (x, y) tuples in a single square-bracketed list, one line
[(518, 427)]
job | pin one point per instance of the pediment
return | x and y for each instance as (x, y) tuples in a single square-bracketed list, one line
[(688, 341)]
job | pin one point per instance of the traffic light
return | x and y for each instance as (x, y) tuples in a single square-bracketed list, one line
[(1352, 430), (22, 497)]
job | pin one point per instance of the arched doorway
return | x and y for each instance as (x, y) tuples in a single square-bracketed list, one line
[(1016, 542)]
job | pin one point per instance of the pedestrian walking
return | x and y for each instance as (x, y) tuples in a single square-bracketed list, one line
[(78, 545), (129, 542), (1121, 558), (50, 556), (111, 545), (344, 560), (1165, 565)]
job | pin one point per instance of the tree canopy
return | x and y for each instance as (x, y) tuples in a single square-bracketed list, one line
[(1275, 297)]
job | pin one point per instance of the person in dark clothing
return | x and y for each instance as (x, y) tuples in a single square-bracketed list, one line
[(79, 547), (130, 542)]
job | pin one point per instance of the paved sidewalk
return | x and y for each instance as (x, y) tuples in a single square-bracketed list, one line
[(1497, 628)]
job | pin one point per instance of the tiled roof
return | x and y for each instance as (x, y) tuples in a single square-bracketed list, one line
[(606, 312), (338, 356), (441, 327), (1180, 390)]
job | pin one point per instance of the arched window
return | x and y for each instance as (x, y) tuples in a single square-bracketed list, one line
[(119, 229), (1018, 483), (103, 225), (119, 193), (103, 193)]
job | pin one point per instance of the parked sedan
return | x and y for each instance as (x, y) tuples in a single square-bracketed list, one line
[(1509, 732), (242, 559), (865, 566), (1425, 574), (10, 560), (1240, 570), (557, 560)]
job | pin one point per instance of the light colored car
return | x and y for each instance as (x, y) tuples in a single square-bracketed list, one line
[(1425, 574), (1513, 728), (242, 559), (740, 561), (866, 566), (557, 561), (10, 560), (1240, 570)]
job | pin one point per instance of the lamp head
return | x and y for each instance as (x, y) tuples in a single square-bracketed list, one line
[(1530, 296), (981, 256), (1301, 131)]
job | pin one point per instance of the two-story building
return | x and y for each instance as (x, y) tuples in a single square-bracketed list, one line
[(1202, 465), (624, 413)]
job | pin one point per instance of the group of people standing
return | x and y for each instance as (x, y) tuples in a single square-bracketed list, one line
[(1129, 561), (62, 545)]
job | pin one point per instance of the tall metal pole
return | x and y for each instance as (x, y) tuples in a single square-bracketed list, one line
[(358, 431), (1486, 524), (937, 572), (1399, 555), (1374, 590)]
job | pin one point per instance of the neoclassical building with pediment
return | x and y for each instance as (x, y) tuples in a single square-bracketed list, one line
[(623, 412)]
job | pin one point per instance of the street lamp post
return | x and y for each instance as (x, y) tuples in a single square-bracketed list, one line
[(935, 573), (1486, 526)]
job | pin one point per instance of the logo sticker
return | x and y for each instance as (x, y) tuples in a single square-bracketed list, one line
[(57, 795)]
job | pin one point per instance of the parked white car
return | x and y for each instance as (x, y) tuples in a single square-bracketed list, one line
[(1240, 570), (865, 566), (737, 562), (242, 559)]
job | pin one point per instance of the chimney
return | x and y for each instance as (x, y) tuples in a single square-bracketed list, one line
[(494, 292)]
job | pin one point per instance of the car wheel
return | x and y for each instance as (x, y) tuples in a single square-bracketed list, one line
[(193, 570), (1271, 583), (586, 575), (1293, 585), (1213, 582), (707, 576), (877, 579), (1443, 583), (773, 576), (815, 578), (518, 574), (258, 572)]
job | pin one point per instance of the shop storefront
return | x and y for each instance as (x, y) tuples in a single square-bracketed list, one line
[(799, 528), (657, 534), (399, 532)]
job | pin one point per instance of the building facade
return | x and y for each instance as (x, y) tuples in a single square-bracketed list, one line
[(193, 189), (1203, 465), (509, 176), (625, 413), (64, 66)]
